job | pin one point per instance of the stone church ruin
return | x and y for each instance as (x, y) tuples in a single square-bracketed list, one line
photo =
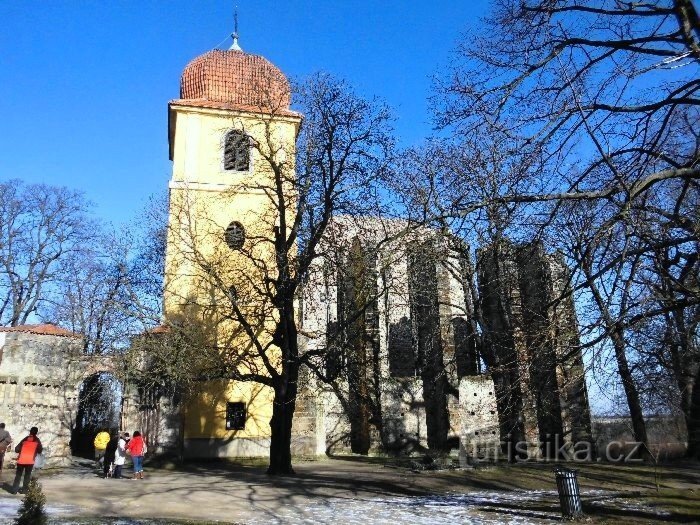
[(407, 367)]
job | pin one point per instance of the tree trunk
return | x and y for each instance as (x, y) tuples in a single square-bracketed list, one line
[(633, 402), (692, 419), (281, 427), (686, 369), (285, 386), (618, 339)]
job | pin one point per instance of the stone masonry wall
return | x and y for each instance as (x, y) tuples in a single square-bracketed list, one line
[(480, 433), (533, 346), (39, 380), (418, 326)]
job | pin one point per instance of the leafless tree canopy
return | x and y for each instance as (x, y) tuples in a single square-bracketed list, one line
[(578, 124), (609, 94), (39, 227)]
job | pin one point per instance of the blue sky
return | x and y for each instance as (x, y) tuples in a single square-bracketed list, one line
[(84, 85)]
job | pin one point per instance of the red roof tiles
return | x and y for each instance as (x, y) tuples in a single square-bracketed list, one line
[(160, 329), (237, 79), (41, 329)]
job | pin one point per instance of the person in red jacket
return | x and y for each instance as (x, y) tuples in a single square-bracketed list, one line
[(27, 449), (137, 448)]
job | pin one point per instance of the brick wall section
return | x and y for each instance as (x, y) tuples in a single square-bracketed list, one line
[(506, 345)]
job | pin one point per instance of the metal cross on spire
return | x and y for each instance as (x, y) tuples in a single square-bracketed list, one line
[(234, 35)]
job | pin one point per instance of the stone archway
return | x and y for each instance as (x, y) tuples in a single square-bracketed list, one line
[(99, 407), (153, 411)]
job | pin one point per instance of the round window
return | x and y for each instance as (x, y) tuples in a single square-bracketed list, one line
[(235, 235)]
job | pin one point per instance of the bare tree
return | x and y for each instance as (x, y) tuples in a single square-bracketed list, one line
[(600, 103), (110, 286), (250, 284), (40, 227), (91, 299)]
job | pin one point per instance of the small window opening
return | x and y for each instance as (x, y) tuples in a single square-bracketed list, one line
[(236, 151), (235, 235), (235, 416)]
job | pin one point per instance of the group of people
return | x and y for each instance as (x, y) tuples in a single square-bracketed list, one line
[(111, 452), (28, 449)]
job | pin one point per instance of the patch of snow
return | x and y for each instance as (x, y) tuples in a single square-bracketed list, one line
[(479, 508), (10, 505)]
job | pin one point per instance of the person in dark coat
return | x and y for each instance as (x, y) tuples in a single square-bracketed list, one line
[(5, 441), (110, 453)]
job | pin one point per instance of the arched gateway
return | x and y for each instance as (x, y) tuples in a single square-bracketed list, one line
[(47, 381)]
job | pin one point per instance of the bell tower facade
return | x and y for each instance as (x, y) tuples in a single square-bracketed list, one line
[(229, 131)]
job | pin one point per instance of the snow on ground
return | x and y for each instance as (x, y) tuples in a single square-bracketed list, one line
[(10, 505), (473, 508), (477, 508)]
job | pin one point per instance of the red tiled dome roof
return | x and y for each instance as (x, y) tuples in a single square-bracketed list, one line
[(235, 79)]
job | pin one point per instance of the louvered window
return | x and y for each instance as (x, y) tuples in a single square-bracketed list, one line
[(235, 416), (235, 235), (236, 151)]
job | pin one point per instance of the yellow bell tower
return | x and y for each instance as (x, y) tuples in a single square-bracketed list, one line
[(231, 119)]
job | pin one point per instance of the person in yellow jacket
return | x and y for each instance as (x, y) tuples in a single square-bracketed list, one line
[(101, 440)]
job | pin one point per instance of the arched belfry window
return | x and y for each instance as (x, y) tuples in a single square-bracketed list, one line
[(235, 235), (236, 151)]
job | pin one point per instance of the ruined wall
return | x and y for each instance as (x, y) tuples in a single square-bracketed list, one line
[(536, 294), (505, 347), (39, 380), (425, 316), (532, 340), (404, 363), (308, 425), (405, 428), (358, 299), (570, 372), (336, 424), (156, 414), (405, 343), (480, 433)]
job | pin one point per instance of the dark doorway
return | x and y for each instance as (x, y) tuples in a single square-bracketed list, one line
[(99, 408)]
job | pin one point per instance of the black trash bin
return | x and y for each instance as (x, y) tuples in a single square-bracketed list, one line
[(569, 495)]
